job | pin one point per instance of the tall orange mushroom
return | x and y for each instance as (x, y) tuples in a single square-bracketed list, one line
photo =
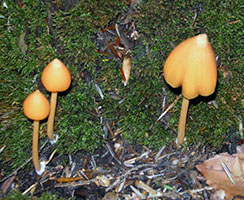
[(36, 107), (192, 65), (55, 78)]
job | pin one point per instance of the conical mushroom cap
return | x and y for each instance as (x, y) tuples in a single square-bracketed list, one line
[(192, 65), (56, 77), (36, 106)]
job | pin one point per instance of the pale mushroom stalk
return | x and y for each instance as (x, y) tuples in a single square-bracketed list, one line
[(51, 115), (35, 156), (182, 122)]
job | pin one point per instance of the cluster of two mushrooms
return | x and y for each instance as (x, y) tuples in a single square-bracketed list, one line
[(55, 78), (191, 65)]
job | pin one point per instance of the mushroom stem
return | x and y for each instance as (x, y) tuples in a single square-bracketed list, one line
[(182, 122), (51, 115), (35, 157)]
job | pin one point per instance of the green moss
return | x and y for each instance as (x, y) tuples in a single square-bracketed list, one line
[(45, 196)]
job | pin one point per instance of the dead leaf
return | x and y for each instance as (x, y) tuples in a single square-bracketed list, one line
[(21, 43), (113, 50), (117, 42), (126, 67), (110, 196), (212, 169), (102, 180), (133, 3), (218, 195), (5, 186), (102, 52), (147, 188), (20, 4), (112, 27)]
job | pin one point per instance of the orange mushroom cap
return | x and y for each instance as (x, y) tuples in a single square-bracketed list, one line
[(56, 77), (192, 65), (36, 106)]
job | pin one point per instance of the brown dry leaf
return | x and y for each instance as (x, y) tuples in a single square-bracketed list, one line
[(126, 67), (102, 180), (21, 43), (133, 3), (216, 176), (6, 185), (114, 51)]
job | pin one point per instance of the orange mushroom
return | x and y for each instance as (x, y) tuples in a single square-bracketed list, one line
[(55, 78), (36, 107), (192, 65)]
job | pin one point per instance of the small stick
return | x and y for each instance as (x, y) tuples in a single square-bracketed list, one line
[(195, 18), (137, 192), (172, 44), (147, 188), (159, 153), (29, 189), (51, 156), (98, 89), (112, 153), (76, 184), (196, 190), (109, 129), (121, 185), (83, 174), (117, 30), (170, 107), (227, 171), (1, 150)]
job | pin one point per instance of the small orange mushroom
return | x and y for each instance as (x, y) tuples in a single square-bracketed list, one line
[(192, 65), (36, 107), (55, 78)]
